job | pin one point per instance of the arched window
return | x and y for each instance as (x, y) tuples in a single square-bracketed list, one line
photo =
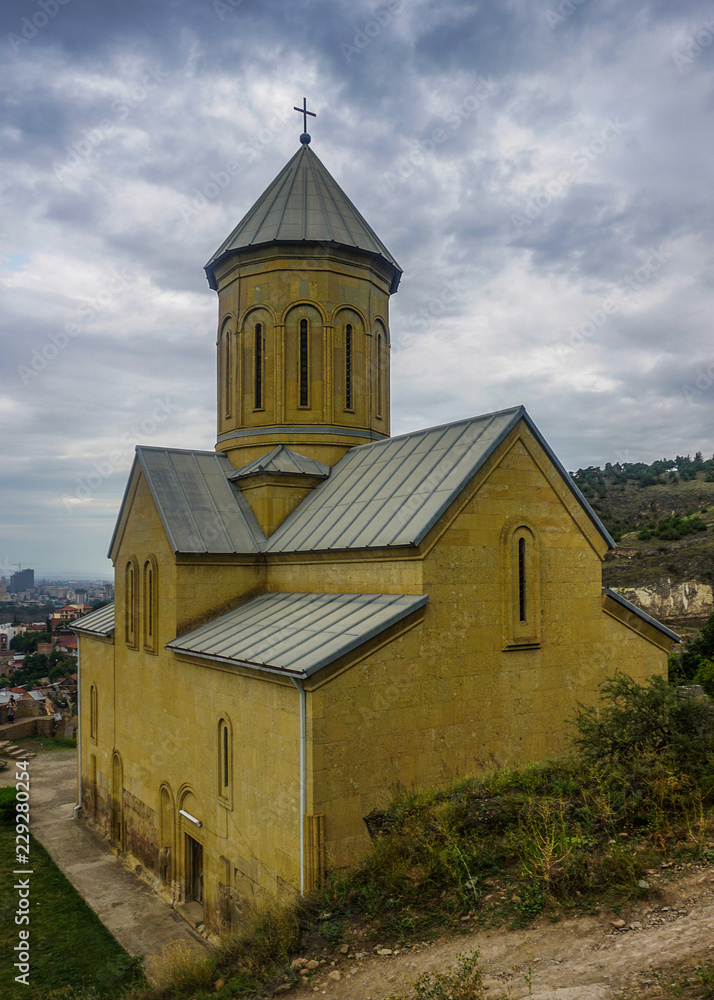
[(522, 579), (93, 714), (131, 603), (258, 367), (304, 364), (379, 374), (348, 367), (520, 565), (225, 763), (151, 605), (227, 373)]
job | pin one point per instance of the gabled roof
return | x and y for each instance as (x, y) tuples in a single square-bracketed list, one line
[(99, 622), (201, 511), (304, 204), (392, 492), (296, 634), (381, 495), (282, 461)]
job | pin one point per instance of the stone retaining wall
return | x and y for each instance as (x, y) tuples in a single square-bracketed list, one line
[(38, 726)]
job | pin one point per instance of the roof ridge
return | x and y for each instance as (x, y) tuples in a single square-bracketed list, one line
[(291, 178), (183, 451), (435, 427)]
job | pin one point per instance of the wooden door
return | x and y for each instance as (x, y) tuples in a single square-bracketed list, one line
[(194, 870)]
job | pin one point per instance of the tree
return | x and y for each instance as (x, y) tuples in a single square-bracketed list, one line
[(636, 722), (695, 653), (33, 666), (27, 643)]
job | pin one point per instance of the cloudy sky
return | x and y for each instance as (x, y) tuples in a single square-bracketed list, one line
[(542, 171)]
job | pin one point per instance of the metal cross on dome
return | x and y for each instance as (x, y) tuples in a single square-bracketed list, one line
[(305, 138)]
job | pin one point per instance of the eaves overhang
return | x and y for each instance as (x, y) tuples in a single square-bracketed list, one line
[(295, 634), (633, 609)]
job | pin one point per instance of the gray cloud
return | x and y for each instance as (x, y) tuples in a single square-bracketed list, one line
[(444, 122)]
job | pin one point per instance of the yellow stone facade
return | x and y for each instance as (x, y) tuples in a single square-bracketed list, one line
[(194, 766), (440, 696), (264, 296)]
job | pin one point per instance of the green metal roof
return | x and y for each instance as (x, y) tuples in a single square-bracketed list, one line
[(380, 495), (282, 461), (393, 492), (629, 606), (304, 204), (99, 622), (296, 634), (201, 510)]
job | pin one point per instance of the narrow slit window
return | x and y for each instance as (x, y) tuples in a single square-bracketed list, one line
[(227, 381), (150, 603), (130, 598), (303, 363), (258, 366), (150, 606), (522, 579), (225, 764), (131, 603), (348, 366), (93, 728), (379, 374), (225, 759), (521, 585)]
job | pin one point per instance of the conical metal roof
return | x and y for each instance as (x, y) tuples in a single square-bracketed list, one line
[(304, 204)]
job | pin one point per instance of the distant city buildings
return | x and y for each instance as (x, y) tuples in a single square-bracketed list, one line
[(7, 633), (68, 614), (22, 581), (21, 588)]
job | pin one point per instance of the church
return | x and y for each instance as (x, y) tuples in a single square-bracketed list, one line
[(314, 614)]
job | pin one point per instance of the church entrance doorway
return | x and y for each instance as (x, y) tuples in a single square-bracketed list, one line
[(194, 870)]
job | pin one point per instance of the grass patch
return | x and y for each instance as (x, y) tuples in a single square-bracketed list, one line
[(465, 982), (694, 982), (72, 955), (253, 963), (46, 744)]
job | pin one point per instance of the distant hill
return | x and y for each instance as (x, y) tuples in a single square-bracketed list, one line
[(662, 517)]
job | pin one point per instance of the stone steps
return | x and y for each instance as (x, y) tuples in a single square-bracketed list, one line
[(17, 753)]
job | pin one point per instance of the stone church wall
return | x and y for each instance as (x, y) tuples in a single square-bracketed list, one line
[(446, 699)]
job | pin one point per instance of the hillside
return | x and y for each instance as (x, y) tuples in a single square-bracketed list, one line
[(662, 518)]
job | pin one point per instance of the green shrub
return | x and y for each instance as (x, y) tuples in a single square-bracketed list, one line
[(705, 975), (645, 719), (696, 650), (705, 677), (464, 983)]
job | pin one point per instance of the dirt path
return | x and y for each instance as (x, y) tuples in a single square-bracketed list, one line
[(577, 959)]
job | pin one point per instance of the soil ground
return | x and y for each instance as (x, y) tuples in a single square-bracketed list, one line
[(583, 958)]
